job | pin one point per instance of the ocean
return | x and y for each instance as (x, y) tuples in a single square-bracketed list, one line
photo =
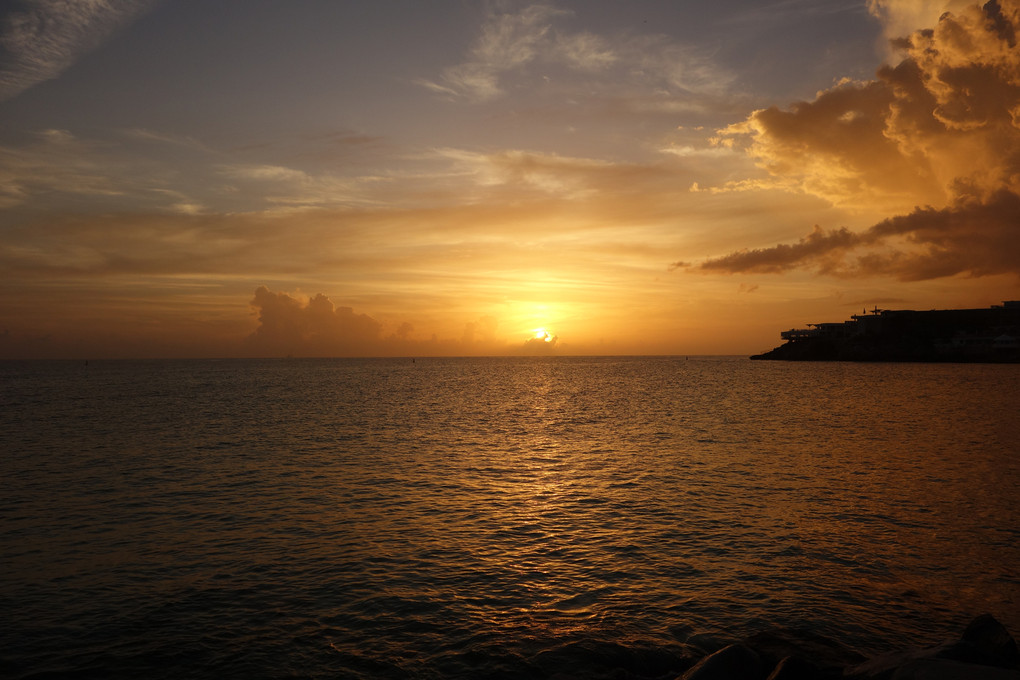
[(493, 517)]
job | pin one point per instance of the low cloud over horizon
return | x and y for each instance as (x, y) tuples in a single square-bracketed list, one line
[(297, 325)]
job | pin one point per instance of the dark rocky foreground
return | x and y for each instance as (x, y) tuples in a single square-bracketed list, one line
[(985, 651)]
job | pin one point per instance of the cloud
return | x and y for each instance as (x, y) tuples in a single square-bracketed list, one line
[(482, 332), (289, 187), (586, 51), (516, 173), (941, 129), (900, 17), (562, 176), (508, 41), (42, 38), (945, 118), (979, 237), (297, 325), (53, 162), (51, 170), (163, 138), (783, 257), (687, 151), (973, 237), (837, 147), (311, 327), (512, 42), (544, 345)]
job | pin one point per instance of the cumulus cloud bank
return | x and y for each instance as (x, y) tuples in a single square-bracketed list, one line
[(41, 38), (940, 129), (296, 325), (291, 325), (900, 17)]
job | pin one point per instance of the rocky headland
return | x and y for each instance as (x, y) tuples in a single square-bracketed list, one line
[(957, 335)]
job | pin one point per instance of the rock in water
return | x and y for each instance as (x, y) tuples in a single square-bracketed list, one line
[(736, 662), (795, 668), (993, 640), (947, 669), (985, 652), (774, 645)]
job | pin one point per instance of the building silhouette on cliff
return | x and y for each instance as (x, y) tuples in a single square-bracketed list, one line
[(979, 335)]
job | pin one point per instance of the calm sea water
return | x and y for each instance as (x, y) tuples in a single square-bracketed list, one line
[(468, 518)]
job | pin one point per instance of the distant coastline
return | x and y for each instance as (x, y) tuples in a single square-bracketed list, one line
[(989, 335)]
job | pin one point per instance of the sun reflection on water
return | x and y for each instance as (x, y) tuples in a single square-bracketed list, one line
[(513, 510)]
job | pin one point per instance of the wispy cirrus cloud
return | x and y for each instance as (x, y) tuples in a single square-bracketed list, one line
[(51, 170), (511, 42), (42, 38), (586, 51), (145, 135), (283, 186), (507, 41), (54, 161)]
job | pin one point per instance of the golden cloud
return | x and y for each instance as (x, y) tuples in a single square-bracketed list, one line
[(941, 129)]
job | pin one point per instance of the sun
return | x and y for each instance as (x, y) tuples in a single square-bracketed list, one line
[(543, 335)]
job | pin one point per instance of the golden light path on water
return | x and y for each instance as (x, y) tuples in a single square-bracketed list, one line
[(390, 518)]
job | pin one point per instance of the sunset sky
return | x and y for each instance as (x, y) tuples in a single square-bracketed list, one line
[(337, 178)]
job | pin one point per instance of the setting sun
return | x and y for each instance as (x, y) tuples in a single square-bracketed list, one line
[(549, 177), (414, 340), (543, 335)]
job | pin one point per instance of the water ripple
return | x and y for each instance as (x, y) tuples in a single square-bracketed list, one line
[(499, 518)]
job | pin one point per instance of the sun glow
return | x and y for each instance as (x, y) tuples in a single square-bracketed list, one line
[(543, 335)]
